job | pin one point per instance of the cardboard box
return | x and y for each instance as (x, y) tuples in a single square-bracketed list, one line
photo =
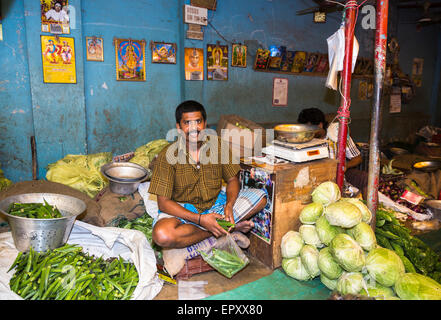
[(246, 137)]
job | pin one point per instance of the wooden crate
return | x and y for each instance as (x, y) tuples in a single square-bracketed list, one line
[(293, 184)]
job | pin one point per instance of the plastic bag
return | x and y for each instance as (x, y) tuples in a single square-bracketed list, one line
[(226, 257)]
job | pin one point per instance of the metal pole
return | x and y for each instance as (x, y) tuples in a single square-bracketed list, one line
[(380, 68), (343, 112)]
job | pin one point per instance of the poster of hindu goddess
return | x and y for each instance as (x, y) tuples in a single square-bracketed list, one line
[(130, 59)]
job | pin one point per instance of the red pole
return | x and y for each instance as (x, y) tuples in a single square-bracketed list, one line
[(380, 69), (343, 112)]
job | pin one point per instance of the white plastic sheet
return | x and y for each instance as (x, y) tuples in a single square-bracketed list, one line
[(131, 245)]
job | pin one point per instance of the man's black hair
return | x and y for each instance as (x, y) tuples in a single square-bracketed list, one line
[(312, 115), (189, 106)]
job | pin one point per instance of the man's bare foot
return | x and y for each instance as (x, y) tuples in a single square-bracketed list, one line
[(244, 226)]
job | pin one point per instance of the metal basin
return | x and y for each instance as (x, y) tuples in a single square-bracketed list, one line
[(427, 166), (295, 133), (435, 205), (42, 234), (124, 177)]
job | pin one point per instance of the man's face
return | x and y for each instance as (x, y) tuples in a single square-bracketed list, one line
[(192, 123), (194, 59), (57, 7)]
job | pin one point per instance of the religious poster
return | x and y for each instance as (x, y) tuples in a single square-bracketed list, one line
[(94, 49), (239, 55), (287, 61), (323, 64), (163, 52), (130, 59), (311, 62), (280, 92), (262, 57), (417, 71), (299, 62), (362, 90), (58, 56), (259, 179), (395, 100), (217, 62), (54, 16), (1, 25), (194, 63)]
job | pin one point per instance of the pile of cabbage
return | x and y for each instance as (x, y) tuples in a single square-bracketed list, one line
[(336, 243)]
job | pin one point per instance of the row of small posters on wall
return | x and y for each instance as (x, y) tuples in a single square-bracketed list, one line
[(58, 56)]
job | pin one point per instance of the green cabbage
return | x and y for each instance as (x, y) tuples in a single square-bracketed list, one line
[(350, 283), (328, 266), (364, 235), (291, 244), (310, 236), (414, 286), (378, 292), (331, 284), (311, 212), (343, 214), (295, 269), (366, 215), (384, 266), (325, 231), (347, 253), (309, 256), (326, 193)]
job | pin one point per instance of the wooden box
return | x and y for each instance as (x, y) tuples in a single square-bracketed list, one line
[(246, 138), (292, 187)]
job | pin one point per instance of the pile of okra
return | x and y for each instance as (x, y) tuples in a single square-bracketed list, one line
[(34, 210), (67, 273)]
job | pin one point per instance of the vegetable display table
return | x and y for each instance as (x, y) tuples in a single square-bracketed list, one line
[(289, 188)]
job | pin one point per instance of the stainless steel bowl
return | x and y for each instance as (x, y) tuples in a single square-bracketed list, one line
[(435, 206), (295, 133), (124, 177), (42, 234), (427, 166), (398, 151)]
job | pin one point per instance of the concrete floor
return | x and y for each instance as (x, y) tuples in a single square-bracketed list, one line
[(217, 283)]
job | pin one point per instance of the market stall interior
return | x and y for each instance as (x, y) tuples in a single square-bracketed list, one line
[(257, 150)]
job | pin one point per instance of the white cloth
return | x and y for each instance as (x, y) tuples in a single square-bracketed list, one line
[(150, 202), (332, 134), (60, 16), (336, 55), (108, 242)]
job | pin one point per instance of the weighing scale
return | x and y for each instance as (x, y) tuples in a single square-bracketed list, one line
[(298, 152)]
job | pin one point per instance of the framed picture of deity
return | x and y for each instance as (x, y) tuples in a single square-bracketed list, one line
[(95, 50), (217, 62), (163, 52), (239, 55), (58, 59), (130, 59)]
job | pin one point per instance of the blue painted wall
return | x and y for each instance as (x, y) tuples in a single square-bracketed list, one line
[(99, 113)]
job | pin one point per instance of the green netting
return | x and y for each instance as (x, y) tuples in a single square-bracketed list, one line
[(276, 286)]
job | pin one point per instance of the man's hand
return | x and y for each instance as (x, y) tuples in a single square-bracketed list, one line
[(229, 216), (208, 221)]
